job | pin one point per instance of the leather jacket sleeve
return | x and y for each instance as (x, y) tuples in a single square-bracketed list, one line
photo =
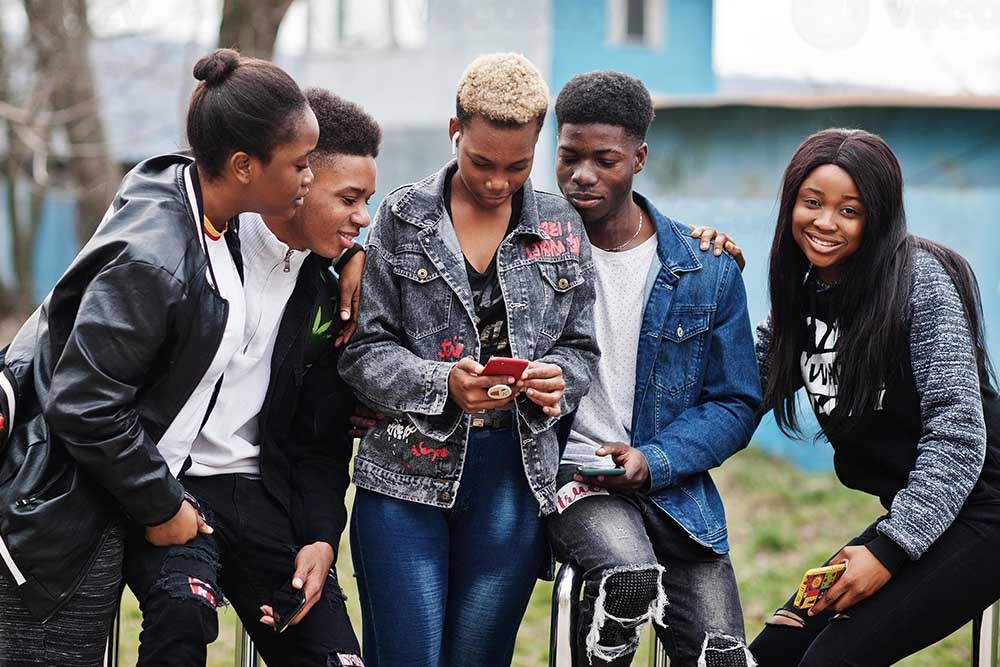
[(124, 317)]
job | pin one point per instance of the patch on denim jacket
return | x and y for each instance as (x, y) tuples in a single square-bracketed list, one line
[(573, 491), (413, 448), (349, 659), (451, 349), (561, 240)]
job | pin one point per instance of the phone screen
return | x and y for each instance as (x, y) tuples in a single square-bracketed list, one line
[(285, 603)]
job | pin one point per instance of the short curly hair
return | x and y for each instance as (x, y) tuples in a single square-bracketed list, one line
[(606, 97), (504, 88), (344, 127)]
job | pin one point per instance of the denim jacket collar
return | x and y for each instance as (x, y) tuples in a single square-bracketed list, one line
[(423, 204), (675, 253)]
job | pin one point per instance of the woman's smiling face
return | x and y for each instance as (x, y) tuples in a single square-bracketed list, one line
[(828, 220)]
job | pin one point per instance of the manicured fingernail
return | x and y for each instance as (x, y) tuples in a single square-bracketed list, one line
[(297, 582), (345, 314)]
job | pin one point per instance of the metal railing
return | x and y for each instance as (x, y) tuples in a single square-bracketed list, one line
[(246, 652), (565, 614)]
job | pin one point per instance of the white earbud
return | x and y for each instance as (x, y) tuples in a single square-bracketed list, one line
[(454, 143)]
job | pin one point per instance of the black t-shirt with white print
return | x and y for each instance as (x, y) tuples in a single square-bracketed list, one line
[(491, 309)]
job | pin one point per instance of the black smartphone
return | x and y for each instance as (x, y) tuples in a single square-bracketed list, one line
[(586, 471), (286, 603)]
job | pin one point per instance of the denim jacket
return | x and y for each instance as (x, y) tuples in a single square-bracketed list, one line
[(697, 388), (417, 319)]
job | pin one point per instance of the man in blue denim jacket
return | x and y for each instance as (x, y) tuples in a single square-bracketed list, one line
[(674, 394)]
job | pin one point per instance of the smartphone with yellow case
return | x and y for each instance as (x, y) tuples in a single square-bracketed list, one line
[(816, 582)]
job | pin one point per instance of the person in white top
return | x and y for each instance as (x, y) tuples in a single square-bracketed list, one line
[(101, 370), (267, 464)]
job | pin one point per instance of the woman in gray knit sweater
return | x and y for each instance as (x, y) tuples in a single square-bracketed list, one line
[(884, 332)]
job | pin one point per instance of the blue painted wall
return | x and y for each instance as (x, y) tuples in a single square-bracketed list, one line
[(55, 243), (723, 167), (681, 65)]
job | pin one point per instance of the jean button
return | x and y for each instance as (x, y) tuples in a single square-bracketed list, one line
[(444, 496), (421, 273)]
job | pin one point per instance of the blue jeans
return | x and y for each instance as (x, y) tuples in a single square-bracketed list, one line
[(449, 586), (639, 565)]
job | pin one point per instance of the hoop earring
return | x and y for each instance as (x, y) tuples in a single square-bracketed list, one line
[(454, 143)]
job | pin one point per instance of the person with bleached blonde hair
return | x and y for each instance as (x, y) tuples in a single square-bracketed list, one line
[(470, 263)]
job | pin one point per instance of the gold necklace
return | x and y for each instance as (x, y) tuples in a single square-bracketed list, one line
[(619, 247)]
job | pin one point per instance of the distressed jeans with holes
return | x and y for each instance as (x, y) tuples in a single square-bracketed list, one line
[(640, 566), (250, 555)]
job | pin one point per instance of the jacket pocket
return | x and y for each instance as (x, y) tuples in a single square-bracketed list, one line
[(426, 298), (681, 352), (559, 280)]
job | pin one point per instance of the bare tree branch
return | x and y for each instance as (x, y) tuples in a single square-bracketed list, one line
[(251, 26), (60, 35)]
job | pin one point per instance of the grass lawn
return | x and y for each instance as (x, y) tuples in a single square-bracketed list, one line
[(781, 522)]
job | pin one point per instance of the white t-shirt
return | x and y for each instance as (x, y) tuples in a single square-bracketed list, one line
[(605, 413), (175, 444), (228, 443)]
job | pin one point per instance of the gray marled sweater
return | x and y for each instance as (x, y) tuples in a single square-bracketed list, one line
[(944, 454)]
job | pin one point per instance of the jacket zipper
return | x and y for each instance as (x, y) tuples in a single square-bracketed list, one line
[(288, 261)]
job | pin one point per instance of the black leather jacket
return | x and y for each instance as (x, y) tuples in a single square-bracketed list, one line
[(104, 365)]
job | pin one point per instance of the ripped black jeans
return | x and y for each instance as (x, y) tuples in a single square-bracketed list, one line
[(639, 565), (250, 555)]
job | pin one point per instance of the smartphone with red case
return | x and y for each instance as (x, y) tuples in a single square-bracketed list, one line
[(505, 366)]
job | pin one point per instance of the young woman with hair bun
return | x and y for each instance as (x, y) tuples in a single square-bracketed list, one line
[(109, 381)]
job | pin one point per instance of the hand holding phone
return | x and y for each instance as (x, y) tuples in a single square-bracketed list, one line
[(297, 596), (543, 384), (625, 470), (286, 602), (468, 384), (816, 582), (508, 366)]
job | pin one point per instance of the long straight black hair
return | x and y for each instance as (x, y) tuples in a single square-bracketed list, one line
[(872, 298)]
